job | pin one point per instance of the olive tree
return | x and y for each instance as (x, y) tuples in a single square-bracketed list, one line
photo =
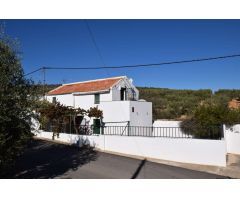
[(16, 103)]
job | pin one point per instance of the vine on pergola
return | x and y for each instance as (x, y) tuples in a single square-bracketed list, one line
[(59, 115)]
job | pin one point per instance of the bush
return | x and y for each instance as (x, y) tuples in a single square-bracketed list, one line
[(207, 121)]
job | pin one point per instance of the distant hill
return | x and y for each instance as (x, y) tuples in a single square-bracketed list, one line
[(173, 103)]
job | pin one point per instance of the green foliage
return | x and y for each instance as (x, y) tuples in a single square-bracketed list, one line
[(224, 96), (207, 120), (94, 112), (16, 99)]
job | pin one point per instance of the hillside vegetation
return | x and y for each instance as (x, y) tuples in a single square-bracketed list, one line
[(176, 104)]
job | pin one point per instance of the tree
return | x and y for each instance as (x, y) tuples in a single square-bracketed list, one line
[(16, 100)]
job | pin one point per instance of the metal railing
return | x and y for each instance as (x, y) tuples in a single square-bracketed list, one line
[(143, 131)]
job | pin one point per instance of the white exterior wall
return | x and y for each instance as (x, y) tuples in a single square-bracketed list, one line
[(121, 111), (115, 111), (65, 99), (142, 115), (116, 93), (87, 101), (196, 151), (232, 137), (106, 97), (84, 101)]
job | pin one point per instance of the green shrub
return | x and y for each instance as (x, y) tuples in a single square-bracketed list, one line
[(207, 121)]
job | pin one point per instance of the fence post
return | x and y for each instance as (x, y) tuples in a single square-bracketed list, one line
[(70, 122), (224, 131), (128, 128)]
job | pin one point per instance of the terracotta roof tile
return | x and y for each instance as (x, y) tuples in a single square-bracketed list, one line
[(89, 86)]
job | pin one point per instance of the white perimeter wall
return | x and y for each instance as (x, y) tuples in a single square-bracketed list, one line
[(95, 141), (206, 152), (196, 151), (232, 137), (166, 123), (168, 128)]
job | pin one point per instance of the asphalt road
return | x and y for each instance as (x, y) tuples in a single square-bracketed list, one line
[(45, 159)]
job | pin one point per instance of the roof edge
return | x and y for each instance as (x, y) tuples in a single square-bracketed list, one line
[(91, 92), (48, 93), (94, 80)]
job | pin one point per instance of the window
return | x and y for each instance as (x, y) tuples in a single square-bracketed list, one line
[(97, 98), (54, 100), (132, 109)]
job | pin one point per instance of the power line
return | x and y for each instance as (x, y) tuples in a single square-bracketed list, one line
[(149, 65), (94, 42), (140, 65), (33, 71)]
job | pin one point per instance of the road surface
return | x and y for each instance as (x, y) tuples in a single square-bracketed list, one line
[(44, 159)]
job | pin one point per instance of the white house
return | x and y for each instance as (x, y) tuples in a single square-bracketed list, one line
[(117, 97)]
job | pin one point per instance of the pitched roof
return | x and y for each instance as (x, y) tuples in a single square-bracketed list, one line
[(86, 86)]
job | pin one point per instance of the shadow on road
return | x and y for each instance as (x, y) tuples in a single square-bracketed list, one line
[(138, 170), (49, 160)]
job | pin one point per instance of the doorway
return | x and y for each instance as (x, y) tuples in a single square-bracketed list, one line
[(123, 94)]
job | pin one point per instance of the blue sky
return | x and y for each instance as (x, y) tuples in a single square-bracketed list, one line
[(67, 43)]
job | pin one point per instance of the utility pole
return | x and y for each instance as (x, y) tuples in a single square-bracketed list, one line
[(44, 80)]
